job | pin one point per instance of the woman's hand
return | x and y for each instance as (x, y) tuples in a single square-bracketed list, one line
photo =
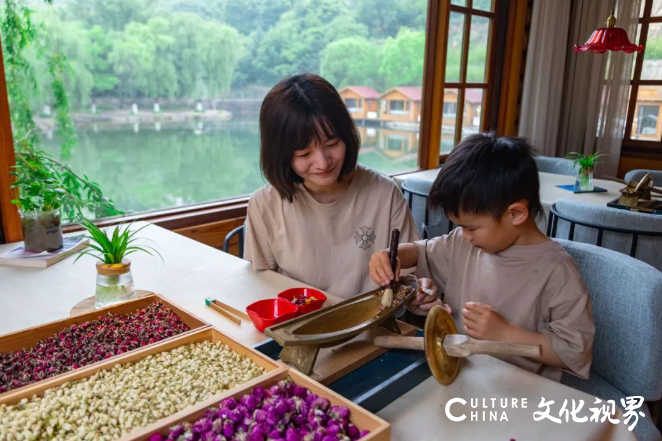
[(380, 269), (426, 298)]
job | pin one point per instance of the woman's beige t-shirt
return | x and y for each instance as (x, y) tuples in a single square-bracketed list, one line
[(327, 246), (536, 287)]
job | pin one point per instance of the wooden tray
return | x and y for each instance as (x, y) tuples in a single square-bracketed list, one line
[(27, 338), (380, 430), (205, 334)]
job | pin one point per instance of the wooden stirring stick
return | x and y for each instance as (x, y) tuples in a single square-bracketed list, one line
[(223, 312), (387, 298), (230, 309)]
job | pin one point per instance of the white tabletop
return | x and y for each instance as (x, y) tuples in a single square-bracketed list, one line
[(189, 273), (193, 271), (422, 411), (549, 190)]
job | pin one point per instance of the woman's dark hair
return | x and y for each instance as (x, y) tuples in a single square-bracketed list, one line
[(484, 174), (298, 110)]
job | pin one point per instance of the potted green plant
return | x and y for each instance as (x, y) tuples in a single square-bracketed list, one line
[(38, 192), (44, 188), (586, 165), (114, 278)]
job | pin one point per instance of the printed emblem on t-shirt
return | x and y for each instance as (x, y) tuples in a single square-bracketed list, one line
[(364, 237)]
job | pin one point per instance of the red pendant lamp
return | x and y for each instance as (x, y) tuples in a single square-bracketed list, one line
[(610, 38)]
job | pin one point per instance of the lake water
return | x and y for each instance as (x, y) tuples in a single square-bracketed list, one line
[(153, 166)]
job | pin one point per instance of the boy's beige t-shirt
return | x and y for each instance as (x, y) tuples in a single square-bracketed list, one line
[(536, 287), (327, 246)]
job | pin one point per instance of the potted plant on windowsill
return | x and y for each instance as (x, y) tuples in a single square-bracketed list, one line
[(114, 278), (45, 189), (586, 165)]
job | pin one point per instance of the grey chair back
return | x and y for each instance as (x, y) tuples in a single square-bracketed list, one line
[(559, 166), (239, 231), (636, 175), (626, 300), (430, 223), (638, 235)]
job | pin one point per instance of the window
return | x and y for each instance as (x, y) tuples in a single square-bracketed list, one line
[(165, 95), (450, 109), (470, 37), (397, 107), (642, 128), (647, 120), (351, 103)]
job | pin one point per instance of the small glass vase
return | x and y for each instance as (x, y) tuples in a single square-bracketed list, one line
[(42, 230), (114, 284), (584, 180)]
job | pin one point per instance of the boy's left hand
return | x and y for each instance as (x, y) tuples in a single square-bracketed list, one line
[(484, 323)]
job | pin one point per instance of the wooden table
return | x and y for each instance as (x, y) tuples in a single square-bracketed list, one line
[(193, 271), (549, 192)]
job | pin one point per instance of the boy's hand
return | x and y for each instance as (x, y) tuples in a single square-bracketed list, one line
[(380, 269), (484, 323), (426, 298)]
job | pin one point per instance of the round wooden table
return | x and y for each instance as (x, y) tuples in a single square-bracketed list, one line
[(87, 305)]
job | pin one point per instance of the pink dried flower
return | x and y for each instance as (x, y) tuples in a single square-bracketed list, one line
[(89, 342)]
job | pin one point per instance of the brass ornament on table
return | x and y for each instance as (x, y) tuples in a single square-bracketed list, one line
[(302, 337), (637, 194)]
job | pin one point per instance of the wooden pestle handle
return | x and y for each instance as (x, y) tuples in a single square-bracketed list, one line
[(458, 345), (393, 250), (393, 342), (461, 346)]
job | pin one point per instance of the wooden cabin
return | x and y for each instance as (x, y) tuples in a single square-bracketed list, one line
[(473, 101), (362, 101), (401, 104), (647, 122)]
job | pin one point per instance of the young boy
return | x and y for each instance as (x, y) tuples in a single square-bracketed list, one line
[(503, 278)]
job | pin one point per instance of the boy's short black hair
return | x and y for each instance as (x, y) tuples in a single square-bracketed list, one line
[(484, 174), (297, 110)]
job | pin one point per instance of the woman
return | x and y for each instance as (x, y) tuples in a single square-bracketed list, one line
[(321, 216)]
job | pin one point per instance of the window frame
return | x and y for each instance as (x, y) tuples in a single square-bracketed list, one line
[(628, 143), (462, 85), (504, 64)]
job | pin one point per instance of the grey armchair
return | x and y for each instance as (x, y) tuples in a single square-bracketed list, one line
[(626, 297), (240, 232), (430, 223), (636, 175), (637, 234)]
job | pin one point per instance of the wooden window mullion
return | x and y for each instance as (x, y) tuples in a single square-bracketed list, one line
[(490, 74), (11, 222), (434, 72), (639, 63)]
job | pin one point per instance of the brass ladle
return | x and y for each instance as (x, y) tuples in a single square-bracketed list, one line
[(444, 347)]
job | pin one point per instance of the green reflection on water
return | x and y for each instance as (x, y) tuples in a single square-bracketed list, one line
[(147, 167)]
